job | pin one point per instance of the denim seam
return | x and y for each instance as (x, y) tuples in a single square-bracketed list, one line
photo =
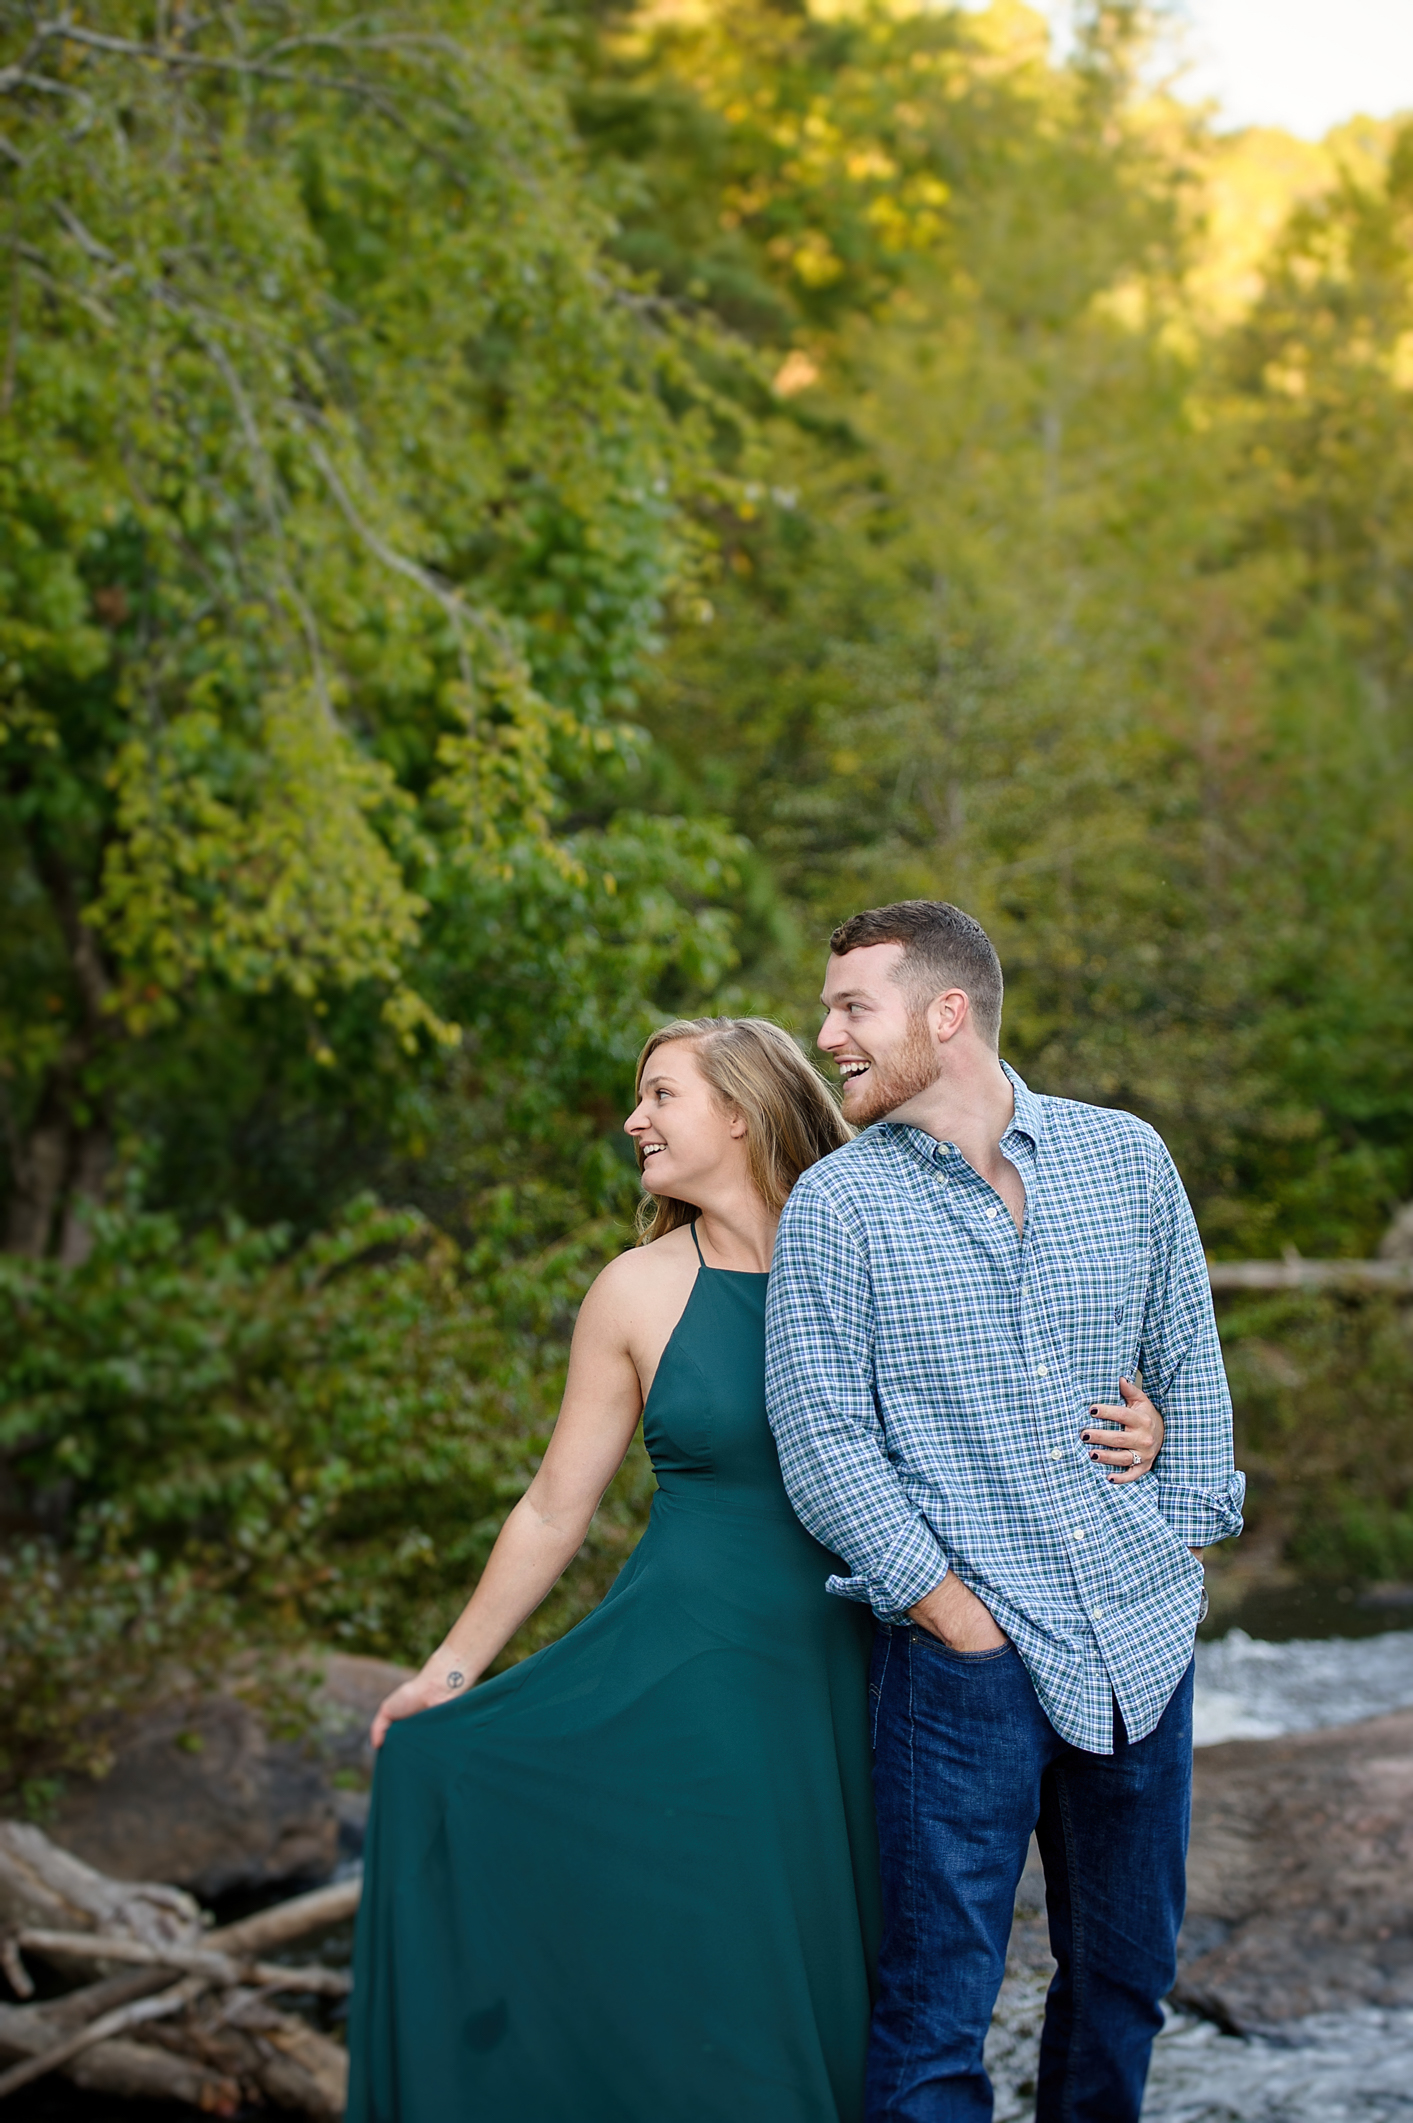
[(914, 1928), (1077, 1956)]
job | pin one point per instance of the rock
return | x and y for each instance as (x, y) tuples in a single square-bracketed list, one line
[(1300, 1878), (200, 1794)]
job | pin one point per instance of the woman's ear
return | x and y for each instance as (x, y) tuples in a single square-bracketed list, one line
[(738, 1125)]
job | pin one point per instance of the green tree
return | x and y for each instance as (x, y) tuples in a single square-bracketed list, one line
[(339, 484), (1058, 601)]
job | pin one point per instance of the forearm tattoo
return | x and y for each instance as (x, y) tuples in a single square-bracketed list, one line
[(456, 1680)]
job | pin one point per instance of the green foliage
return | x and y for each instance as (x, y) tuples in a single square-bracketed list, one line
[(1053, 601), (322, 1440), (1325, 1427), (80, 1644), (338, 500)]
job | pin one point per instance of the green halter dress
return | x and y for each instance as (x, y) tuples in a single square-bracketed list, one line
[(634, 1879)]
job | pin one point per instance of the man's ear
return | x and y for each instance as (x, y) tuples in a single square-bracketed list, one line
[(947, 1013)]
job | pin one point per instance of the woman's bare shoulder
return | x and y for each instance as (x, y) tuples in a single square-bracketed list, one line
[(644, 1275)]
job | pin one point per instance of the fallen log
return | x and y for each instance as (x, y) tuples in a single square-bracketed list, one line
[(130, 2070), (196, 1961), (116, 2022), (43, 1885), (211, 2039), (1297, 1274), (293, 1919)]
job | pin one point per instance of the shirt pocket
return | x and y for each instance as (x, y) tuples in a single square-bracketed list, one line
[(1095, 1301)]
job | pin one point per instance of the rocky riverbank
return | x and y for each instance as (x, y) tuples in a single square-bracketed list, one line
[(1300, 1879), (1295, 1997)]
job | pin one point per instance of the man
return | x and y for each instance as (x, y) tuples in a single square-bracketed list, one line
[(960, 1304)]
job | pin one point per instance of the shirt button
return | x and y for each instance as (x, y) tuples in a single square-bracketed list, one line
[(1076, 1533), (1042, 1371), (991, 1215), (1098, 1614), (1057, 1452)]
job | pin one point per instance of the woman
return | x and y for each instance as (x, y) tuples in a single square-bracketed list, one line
[(633, 1879)]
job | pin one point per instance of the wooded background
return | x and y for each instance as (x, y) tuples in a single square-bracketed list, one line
[(514, 519)]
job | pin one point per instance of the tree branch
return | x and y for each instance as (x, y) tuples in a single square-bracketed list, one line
[(457, 612), (265, 487)]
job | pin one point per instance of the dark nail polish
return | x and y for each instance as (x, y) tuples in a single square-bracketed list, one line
[(1094, 1455), (1094, 1411), (1084, 1437)]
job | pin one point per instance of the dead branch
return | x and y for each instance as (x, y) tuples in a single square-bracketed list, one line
[(129, 2070), (213, 2039), (194, 1961), (179, 59), (454, 608), (1297, 1274), (289, 1920), (175, 56), (107, 2024)]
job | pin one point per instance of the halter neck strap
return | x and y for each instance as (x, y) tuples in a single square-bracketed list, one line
[(697, 1242)]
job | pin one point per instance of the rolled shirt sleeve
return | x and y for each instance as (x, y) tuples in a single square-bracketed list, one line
[(1196, 1488), (823, 1412)]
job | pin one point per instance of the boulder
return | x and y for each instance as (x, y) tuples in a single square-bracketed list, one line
[(1300, 1877), (199, 1793)]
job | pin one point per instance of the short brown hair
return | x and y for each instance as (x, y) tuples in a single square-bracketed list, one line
[(755, 1069), (942, 948)]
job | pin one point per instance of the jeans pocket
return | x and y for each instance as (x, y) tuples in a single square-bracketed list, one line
[(962, 1658)]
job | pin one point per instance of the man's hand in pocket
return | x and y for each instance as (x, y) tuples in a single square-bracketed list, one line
[(958, 1618)]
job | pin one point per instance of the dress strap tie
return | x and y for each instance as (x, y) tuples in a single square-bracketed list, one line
[(697, 1242)]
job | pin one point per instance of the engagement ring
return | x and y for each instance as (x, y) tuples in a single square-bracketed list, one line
[(1138, 1459)]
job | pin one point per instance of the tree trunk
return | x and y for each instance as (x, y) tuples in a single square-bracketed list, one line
[(59, 1163), (57, 1170)]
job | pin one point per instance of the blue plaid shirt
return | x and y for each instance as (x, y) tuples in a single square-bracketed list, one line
[(929, 1370)]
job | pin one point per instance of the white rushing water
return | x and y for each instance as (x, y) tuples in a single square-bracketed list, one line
[(1354, 2067), (1247, 1690), (1337, 2067)]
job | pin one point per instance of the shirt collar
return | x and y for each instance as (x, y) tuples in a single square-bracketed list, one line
[(1029, 1113), (1026, 1122)]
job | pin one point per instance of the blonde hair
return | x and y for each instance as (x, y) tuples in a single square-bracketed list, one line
[(756, 1070)]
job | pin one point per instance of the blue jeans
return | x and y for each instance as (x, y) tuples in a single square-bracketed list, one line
[(966, 1765)]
